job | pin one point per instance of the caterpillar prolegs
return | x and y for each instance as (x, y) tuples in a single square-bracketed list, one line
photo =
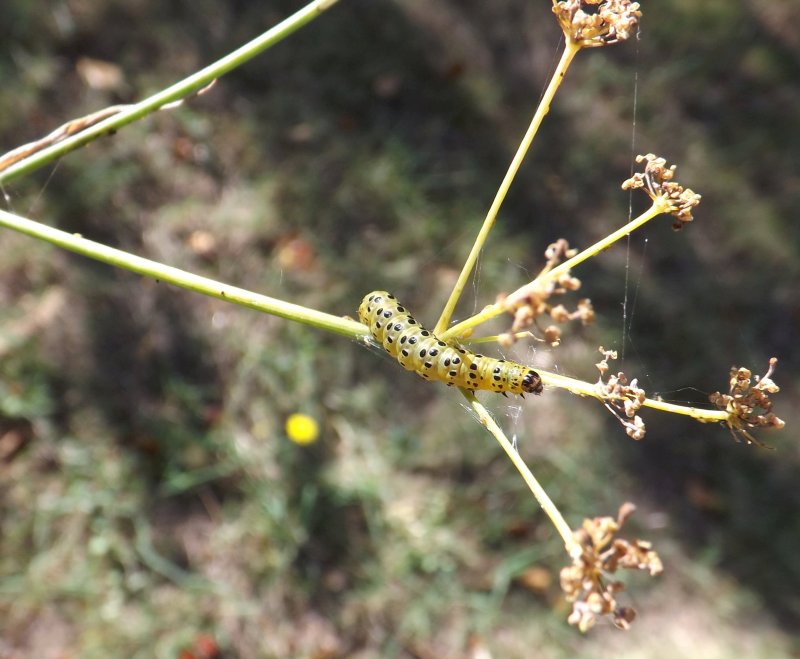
[(419, 350)]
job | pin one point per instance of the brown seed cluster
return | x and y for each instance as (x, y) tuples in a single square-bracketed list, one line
[(622, 398), (532, 302), (593, 23), (657, 181), (748, 405), (597, 553)]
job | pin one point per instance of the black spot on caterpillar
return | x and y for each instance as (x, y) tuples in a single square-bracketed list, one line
[(419, 350)]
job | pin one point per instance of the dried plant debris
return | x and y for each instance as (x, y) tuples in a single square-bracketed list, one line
[(749, 405), (593, 23), (596, 554), (657, 181), (531, 302), (622, 398), (75, 126)]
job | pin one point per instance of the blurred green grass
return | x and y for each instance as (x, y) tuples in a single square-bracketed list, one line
[(150, 497)]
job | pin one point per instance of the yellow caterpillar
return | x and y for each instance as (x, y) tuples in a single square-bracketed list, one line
[(420, 351)]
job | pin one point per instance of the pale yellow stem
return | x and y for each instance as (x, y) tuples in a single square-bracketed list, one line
[(544, 107), (495, 339), (660, 205), (538, 491), (590, 389)]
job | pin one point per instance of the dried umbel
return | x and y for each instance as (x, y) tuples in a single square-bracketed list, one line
[(748, 405), (595, 554), (622, 398), (657, 181), (531, 302), (593, 23)]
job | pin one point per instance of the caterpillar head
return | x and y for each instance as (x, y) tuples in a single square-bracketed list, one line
[(531, 382)]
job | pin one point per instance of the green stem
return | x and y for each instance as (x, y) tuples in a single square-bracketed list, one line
[(544, 107), (180, 90), (159, 272)]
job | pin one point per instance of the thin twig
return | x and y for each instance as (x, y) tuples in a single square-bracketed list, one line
[(178, 91), (535, 487), (544, 107), (582, 388), (159, 272), (494, 310)]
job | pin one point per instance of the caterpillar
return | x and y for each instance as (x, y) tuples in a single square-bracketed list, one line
[(419, 350)]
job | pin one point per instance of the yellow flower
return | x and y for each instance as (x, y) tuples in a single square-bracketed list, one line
[(302, 429)]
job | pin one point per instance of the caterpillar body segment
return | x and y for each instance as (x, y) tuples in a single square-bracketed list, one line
[(419, 350)]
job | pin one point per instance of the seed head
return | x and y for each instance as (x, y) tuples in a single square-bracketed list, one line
[(534, 300), (657, 181), (593, 23), (621, 398), (597, 553), (749, 405)]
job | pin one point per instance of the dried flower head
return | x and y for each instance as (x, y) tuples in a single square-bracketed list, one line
[(621, 398), (748, 405), (558, 251), (595, 554), (532, 301), (657, 182), (592, 23), (552, 335)]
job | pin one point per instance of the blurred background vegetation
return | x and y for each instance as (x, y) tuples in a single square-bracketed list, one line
[(152, 505)]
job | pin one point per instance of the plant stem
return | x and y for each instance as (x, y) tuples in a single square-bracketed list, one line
[(493, 310), (179, 90), (159, 272), (588, 389), (657, 208), (276, 307), (545, 501), (471, 341), (544, 107)]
